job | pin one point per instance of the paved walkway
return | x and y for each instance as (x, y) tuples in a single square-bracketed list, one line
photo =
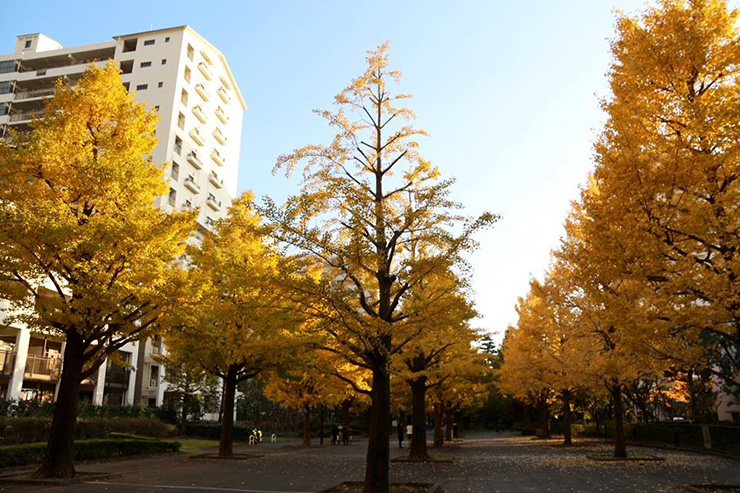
[(482, 464)]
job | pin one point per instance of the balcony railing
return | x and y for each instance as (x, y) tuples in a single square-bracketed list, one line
[(202, 92), (217, 157), (191, 184), (224, 97), (195, 160), (215, 180), (42, 366), (154, 382), (221, 115), (213, 203), (198, 112), (27, 116), (220, 137), (38, 93), (117, 377), (205, 70), (196, 136), (7, 360)]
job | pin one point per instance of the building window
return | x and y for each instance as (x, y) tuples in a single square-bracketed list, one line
[(7, 67), (187, 74), (210, 221), (127, 66), (164, 61), (129, 45), (167, 39), (172, 199), (184, 97), (6, 87), (160, 84), (145, 64), (175, 171), (4, 108), (28, 43), (178, 145), (191, 53), (142, 87), (127, 86), (148, 42), (156, 108), (181, 121)]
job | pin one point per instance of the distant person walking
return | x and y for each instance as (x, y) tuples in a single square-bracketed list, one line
[(409, 431), (335, 435), (399, 430)]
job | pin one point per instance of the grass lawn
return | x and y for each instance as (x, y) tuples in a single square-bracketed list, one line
[(193, 445)]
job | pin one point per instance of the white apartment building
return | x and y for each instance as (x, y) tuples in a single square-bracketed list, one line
[(189, 83)]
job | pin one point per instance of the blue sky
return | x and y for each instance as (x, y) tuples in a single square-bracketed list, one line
[(509, 91)]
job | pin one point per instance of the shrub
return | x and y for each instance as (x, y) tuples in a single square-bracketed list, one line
[(27, 430), (33, 453), (212, 431), (149, 427)]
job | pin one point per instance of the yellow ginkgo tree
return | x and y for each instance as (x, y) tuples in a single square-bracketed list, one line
[(365, 198), (85, 253), (233, 321)]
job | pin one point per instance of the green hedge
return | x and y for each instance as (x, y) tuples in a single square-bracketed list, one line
[(212, 431), (33, 453), (28, 430), (36, 409)]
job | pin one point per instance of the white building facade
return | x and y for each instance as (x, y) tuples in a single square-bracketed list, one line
[(189, 83)]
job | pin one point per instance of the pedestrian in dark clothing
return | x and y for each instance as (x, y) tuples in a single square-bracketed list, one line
[(335, 435), (399, 430)]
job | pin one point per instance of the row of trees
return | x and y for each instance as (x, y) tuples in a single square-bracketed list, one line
[(358, 277), (645, 283)]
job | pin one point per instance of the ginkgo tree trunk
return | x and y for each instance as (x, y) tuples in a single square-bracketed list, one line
[(364, 198), (86, 253)]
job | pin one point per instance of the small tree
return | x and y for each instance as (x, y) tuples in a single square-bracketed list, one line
[(84, 250), (188, 381), (305, 386), (440, 305)]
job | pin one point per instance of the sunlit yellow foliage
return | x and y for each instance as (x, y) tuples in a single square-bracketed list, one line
[(85, 254)]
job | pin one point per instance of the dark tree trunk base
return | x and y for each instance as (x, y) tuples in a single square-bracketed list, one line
[(58, 461), (226, 444)]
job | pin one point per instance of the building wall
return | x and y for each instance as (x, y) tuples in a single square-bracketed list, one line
[(159, 67)]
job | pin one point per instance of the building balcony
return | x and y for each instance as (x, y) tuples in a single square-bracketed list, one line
[(215, 180), (38, 93), (218, 158), (186, 206), (221, 115), (225, 82), (7, 360), (202, 92), (117, 377), (25, 117), (191, 184), (223, 95), (196, 136), (205, 70), (198, 112), (220, 137), (195, 160), (42, 367), (213, 203), (153, 383)]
